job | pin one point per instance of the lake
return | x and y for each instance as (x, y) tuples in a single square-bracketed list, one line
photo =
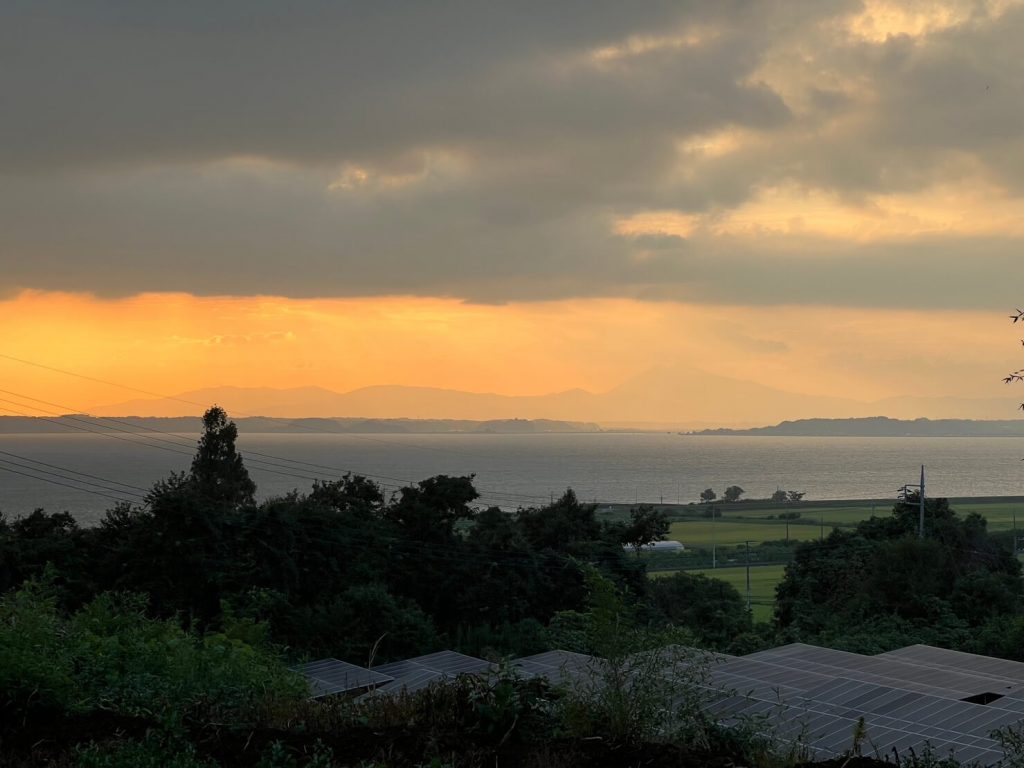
[(513, 470)]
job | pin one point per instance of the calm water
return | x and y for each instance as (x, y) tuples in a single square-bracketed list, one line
[(526, 469)]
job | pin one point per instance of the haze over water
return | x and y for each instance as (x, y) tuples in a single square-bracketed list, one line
[(513, 470)]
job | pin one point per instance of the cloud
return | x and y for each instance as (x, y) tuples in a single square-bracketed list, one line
[(806, 152)]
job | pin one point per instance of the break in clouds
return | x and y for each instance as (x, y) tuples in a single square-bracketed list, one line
[(741, 152)]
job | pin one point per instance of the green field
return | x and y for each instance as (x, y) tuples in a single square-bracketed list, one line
[(757, 522), (726, 532), (1000, 516), (763, 579)]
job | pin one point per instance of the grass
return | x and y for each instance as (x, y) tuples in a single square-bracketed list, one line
[(763, 579), (758, 521), (999, 514), (725, 532)]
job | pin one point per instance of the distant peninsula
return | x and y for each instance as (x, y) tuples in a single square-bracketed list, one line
[(77, 423), (880, 426)]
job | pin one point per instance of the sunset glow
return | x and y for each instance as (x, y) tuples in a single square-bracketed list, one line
[(173, 343), (819, 199)]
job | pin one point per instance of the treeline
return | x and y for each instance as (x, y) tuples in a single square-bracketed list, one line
[(159, 636), (881, 585), (345, 570)]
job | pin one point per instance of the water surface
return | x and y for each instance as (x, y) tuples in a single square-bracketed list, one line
[(514, 470)]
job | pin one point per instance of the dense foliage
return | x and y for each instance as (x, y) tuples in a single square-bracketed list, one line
[(341, 570), (881, 586), (158, 636)]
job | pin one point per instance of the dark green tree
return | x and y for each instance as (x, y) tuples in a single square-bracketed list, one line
[(352, 495), (217, 469), (429, 510), (566, 526), (711, 609), (646, 525), (956, 577), (733, 493)]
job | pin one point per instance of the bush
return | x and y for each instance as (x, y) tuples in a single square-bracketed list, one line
[(155, 751), (110, 656), (643, 684), (710, 608)]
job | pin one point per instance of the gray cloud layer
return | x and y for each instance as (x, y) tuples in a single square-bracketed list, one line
[(482, 150)]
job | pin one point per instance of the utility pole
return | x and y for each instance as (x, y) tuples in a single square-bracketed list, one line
[(714, 554), (920, 524), (904, 493), (748, 576), (821, 526), (1015, 532)]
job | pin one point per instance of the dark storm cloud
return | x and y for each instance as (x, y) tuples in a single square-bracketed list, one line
[(102, 83), (477, 150)]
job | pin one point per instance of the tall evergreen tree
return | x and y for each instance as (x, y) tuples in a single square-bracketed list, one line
[(217, 469)]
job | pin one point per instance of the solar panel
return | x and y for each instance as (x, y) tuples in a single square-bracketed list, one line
[(452, 663), (410, 682), (815, 698), (901, 705), (559, 667), (331, 676), (883, 670), (943, 658), (415, 674)]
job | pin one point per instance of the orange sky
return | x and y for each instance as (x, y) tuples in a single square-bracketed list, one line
[(171, 343), (825, 198)]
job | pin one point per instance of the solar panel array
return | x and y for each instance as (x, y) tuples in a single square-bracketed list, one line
[(903, 701), (331, 676), (558, 667), (416, 674), (910, 700)]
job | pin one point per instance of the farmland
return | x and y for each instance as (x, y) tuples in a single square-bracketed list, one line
[(759, 521)]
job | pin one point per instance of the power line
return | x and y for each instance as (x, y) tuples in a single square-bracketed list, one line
[(257, 464), (178, 441), (66, 485), (74, 472), (206, 405), (72, 479), (511, 494)]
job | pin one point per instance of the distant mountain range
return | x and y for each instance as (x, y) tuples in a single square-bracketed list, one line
[(880, 426), (671, 397), (261, 424)]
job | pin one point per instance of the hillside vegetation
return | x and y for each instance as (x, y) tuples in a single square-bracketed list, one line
[(162, 636)]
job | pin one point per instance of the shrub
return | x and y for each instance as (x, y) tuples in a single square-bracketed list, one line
[(643, 684), (110, 656), (155, 751)]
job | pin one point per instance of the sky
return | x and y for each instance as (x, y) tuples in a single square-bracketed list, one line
[(822, 196)]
